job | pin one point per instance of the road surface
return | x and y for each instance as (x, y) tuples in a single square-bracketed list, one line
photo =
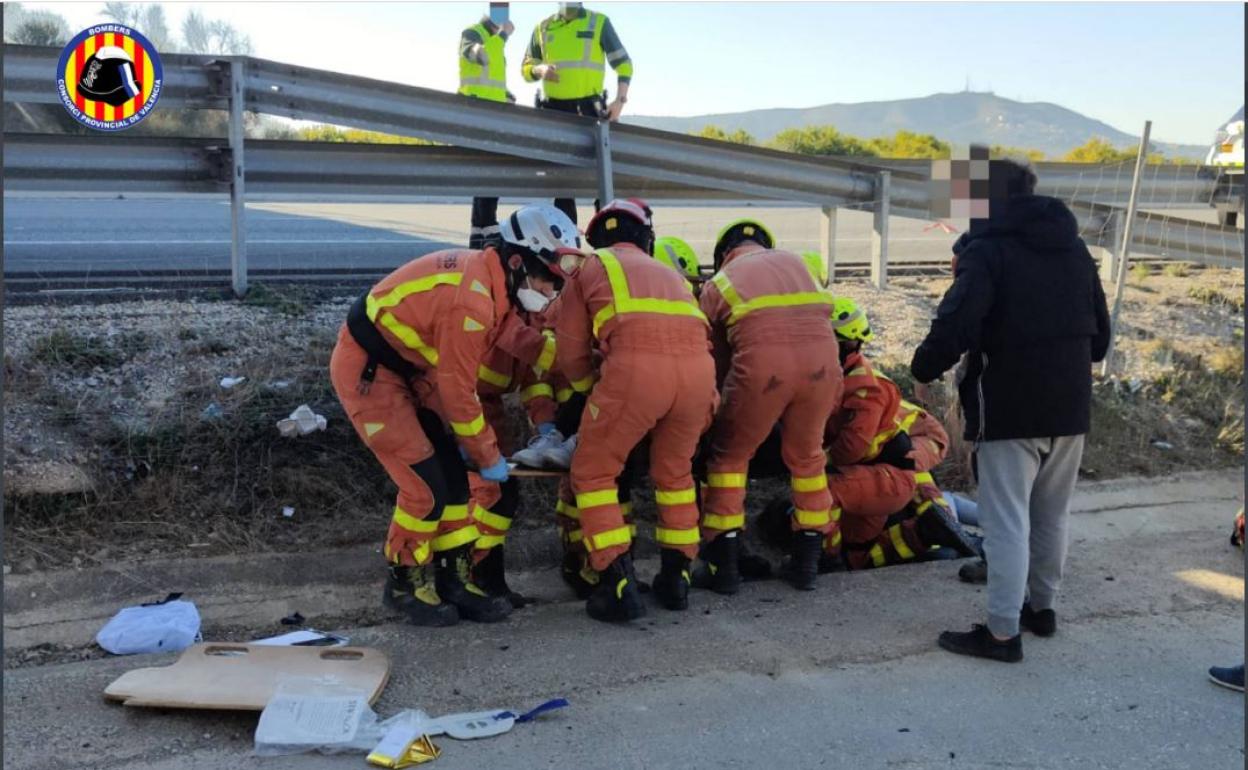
[(846, 676)]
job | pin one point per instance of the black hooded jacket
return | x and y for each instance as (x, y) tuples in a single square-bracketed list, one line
[(1027, 307)]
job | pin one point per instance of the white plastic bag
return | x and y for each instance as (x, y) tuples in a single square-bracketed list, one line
[(168, 626), (323, 715)]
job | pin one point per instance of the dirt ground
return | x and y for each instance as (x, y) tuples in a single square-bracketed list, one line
[(120, 441)]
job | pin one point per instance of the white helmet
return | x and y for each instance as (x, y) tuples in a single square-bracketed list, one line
[(541, 229)]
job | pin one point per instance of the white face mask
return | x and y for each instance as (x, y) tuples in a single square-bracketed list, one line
[(532, 300)]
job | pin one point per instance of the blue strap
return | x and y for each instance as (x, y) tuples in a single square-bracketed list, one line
[(529, 716)]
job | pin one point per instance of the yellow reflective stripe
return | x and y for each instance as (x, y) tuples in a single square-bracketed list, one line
[(812, 518), (602, 540), (623, 302), (537, 391), (836, 514), (903, 550), (632, 530), (723, 523), (809, 483), (576, 536), (626, 509), (766, 301), (726, 289), (492, 520), (374, 305), (469, 429), (835, 540), (861, 370), (567, 510), (563, 394), (726, 480), (675, 496), (494, 378), (908, 421), (423, 553), (923, 506), (924, 477), (455, 512), (593, 499), (410, 339), (877, 555), (452, 540), (411, 523), (584, 385), (547, 357), (486, 542), (677, 536)]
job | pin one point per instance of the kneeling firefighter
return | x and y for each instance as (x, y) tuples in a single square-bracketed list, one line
[(405, 369), (657, 378)]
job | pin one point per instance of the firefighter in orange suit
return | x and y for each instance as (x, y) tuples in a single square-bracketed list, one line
[(406, 368), (777, 357), (657, 378)]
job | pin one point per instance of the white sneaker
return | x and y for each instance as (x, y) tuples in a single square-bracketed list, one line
[(560, 455), (533, 455)]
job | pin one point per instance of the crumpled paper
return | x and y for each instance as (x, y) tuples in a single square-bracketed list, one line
[(301, 422)]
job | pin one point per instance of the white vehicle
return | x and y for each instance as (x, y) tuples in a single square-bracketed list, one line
[(1228, 145)]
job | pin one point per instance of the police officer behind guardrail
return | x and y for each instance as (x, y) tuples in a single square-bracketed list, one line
[(483, 75), (568, 53)]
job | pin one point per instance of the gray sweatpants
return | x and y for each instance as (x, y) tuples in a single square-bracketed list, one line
[(1025, 486)]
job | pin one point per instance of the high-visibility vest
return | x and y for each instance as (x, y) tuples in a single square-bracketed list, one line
[(575, 47), (624, 303), (487, 82)]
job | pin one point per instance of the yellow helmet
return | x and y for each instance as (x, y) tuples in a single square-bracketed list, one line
[(677, 255), (849, 321), (817, 266), (741, 230)]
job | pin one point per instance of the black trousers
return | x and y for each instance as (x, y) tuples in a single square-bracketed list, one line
[(484, 222)]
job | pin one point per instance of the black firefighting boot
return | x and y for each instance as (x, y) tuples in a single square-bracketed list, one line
[(802, 567), (410, 590), (671, 585), (936, 527), (489, 574), (454, 583), (720, 568), (577, 573), (616, 599)]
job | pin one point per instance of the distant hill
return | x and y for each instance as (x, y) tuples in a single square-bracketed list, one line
[(961, 118)]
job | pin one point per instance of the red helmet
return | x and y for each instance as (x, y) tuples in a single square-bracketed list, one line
[(623, 219)]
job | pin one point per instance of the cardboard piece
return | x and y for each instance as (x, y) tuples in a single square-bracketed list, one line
[(242, 677)]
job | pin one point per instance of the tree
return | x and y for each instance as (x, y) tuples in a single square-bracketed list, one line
[(820, 140), (213, 37), (740, 136), (907, 144), (999, 152), (147, 18), (324, 133), (26, 27)]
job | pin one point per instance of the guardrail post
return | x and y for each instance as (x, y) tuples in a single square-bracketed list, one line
[(879, 233), (828, 241), (1110, 243), (238, 211), (1125, 251), (606, 184)]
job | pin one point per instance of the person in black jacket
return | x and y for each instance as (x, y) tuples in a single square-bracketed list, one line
[(1026, 314)]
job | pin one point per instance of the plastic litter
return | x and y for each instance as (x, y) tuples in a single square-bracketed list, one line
[(229, 382), (212, 412), (1163, 445), (301, 422), (486, 724), (170, 625), (306, 715), (288, 511)]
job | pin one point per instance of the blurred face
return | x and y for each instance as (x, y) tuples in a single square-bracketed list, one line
[(544, 286)]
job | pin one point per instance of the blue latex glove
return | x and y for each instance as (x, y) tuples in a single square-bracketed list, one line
[(545, 428), (497, 472)]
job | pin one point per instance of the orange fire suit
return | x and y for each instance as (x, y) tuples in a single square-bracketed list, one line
[(657, 378), (520, 356), (406, 364), (771, 336), (867, 490)]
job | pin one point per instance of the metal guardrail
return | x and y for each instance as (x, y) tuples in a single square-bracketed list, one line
[(499, 148)]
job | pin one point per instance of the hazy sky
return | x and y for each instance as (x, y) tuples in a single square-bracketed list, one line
[(1179, 64)]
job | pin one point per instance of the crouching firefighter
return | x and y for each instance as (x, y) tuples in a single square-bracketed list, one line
[(657, 378), (405, 369)]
